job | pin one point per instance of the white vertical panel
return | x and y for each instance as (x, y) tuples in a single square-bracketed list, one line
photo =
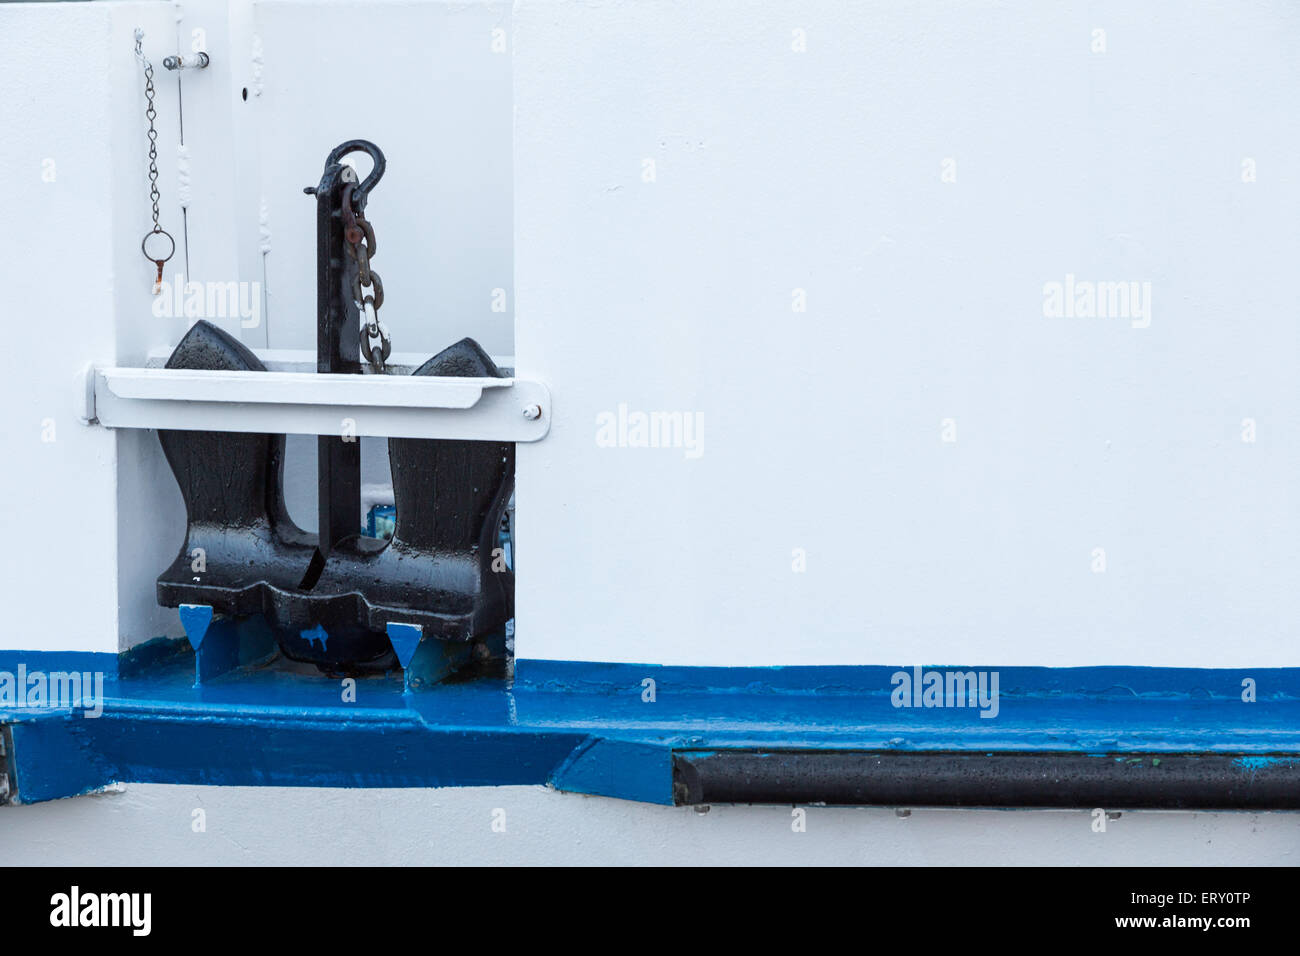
[(779, 169), (58, 496)]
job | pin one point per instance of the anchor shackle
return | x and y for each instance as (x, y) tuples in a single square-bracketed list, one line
[(376, 155)]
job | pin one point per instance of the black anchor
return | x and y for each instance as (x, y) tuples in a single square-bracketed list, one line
[(329, 596)]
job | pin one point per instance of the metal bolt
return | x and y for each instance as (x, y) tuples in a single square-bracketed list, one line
[(197, 61), (532, 412)]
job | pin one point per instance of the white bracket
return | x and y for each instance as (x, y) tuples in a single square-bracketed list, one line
[(309, 403)]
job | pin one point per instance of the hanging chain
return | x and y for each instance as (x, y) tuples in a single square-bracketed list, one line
[(151, 113), (367, 288)]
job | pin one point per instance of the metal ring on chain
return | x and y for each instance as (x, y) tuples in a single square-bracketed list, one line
[(144, 245)]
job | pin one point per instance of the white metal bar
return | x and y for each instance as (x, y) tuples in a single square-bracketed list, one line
[(487, 409), (300, 388)]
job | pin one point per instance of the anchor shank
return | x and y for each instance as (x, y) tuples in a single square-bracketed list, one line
[(338, 457)]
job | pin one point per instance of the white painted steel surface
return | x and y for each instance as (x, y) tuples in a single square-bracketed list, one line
[(838, 235)]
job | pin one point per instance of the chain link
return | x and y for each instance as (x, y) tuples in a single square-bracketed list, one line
[(367, 287), (151, 113)]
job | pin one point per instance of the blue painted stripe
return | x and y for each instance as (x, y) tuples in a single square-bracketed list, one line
[(592, 728), (1176, 682)]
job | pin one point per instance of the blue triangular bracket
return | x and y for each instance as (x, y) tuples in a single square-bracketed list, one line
[(222, 644), (196, 618), (425, 662), (405, 638)]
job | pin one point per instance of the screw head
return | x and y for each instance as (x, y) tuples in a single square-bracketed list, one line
[(532, 412)]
